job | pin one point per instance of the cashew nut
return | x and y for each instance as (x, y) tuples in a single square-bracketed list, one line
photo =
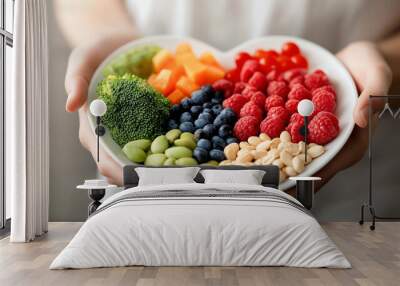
[(285, 137), (264, 137), (274, 143), (231, 151), (298, 164), (286, 158), (263, 146), (316, 151), (290, 171), (254, 140)]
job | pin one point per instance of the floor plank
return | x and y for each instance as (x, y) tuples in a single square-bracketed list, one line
[(375, 257)]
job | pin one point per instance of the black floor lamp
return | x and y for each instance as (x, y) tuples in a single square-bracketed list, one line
[(305, 185), (395, 115), (98, 108), (96, 188)]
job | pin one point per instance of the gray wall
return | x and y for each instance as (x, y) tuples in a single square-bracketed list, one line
[(71, 164)]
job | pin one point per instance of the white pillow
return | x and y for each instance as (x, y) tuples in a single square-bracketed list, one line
[(166, 176), (248, 177)]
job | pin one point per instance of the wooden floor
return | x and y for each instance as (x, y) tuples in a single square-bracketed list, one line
[(375, 257)]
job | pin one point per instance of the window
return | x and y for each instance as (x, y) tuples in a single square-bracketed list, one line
[(6, 44)]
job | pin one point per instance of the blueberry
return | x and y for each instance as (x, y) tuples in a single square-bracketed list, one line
[(198, 97), (215, 101), (218, 143), (209, 130), (196, 109), (186, 127), (186, 117), (208, 89), (207, 110), (228, 112), (200, 123), (204, 143), (175, 110), (186, 103), (218, 122), (207, 105), (172, 124), (201, 155), (199, 134), (217, 155), (216, 109), (225, 131), (221, 120), (219, 96), (207, 117), (231, 140), (228, 115)]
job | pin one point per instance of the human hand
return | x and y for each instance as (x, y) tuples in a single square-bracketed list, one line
[(372, 76), (82, 64)]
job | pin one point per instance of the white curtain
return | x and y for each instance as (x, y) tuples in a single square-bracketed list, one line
[(27, 143)]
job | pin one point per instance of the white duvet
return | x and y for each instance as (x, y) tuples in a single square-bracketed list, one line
[(200, 231)]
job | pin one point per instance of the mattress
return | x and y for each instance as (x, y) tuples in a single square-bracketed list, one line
[(201, 225)]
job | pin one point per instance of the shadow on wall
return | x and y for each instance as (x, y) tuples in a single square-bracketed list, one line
[(70, 163)]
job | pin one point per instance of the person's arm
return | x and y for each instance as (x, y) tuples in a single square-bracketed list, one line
[(94, 28), (375, 68), (84, 20)]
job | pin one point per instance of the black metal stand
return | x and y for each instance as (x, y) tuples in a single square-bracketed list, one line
[(96, 195), (305, 193), (100, 131), (370, 205), (304, 132)]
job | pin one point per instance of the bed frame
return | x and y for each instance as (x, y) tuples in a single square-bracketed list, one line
[(304, 189), (271, 177)]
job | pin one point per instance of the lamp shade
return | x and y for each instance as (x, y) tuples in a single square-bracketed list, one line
[(305, 107), (98, 107)]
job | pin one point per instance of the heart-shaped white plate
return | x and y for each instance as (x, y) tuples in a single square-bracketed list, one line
[(318, 58)]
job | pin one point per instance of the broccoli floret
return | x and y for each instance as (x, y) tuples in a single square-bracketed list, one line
[(134, 109), (137, 61)]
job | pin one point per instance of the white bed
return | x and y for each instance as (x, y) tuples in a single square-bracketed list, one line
[(267, 229)]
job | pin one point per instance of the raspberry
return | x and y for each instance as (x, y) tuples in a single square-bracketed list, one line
[(245, 127), (297, 80), (279, 112), (295, 118), (295, 132), (250, 109), (224, 85), (239, 86), (291, 105), (325, 88), (235, 102), (278, 88), (259, 81), (248, 69), (258, 99), (273, 101), (273, 75), (248, 91), (272, 127), (323, 128), (324, 101), (299, 92), (316, 79), (289, 75)]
